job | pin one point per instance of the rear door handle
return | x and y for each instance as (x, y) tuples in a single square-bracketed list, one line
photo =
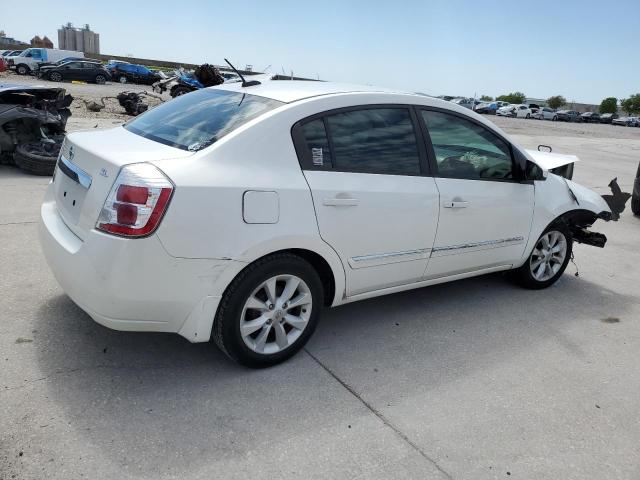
[(455, 204), (341, 202)]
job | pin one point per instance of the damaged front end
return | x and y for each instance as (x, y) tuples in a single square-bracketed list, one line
[(32, 126), (578, 222), (583, 206)]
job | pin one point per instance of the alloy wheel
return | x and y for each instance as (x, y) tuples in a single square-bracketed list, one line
[(548, 256), (275, 314)]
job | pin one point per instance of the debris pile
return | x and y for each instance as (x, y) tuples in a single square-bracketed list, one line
[(32, 126)]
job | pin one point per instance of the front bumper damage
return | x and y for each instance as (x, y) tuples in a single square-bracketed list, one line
[(578, 222)]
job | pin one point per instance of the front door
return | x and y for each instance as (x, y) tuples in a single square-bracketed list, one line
[(486, 211), (374, 204)]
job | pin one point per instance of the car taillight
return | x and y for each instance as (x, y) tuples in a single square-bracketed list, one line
[(137, 201)]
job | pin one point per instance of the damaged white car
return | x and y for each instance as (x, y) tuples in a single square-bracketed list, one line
[(238, 212)]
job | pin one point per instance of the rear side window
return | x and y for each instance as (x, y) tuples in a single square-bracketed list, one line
[(316, 143), (372, 140), (380, 140), (199, 119)]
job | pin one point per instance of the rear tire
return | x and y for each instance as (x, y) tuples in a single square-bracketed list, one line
[(122, 79), (258, 329), (548, 259)]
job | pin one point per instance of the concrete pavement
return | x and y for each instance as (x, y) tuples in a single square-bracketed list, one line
[(474, 379)]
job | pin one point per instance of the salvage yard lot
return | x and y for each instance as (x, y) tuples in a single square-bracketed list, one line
[(474, 379)]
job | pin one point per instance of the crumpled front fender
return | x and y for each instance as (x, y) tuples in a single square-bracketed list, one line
[(557, 198)]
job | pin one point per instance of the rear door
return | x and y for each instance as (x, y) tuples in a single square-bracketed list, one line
[(486, 210), (374, 201)]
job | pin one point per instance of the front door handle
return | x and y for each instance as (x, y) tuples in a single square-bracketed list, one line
[(341, 202), (458, 204)]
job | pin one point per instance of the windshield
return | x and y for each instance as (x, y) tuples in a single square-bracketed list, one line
[(199, 119)]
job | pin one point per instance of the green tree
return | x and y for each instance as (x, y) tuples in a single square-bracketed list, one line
[(609, 105), (631, 105), (513, 97), (486, 98), (556, 101)]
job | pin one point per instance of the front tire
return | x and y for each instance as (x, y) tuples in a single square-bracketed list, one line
[(22, 70), (269, 311), (55, 77), (548, 260), (101, 79)]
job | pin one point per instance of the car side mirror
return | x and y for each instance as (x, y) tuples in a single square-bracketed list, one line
[(534, 172)]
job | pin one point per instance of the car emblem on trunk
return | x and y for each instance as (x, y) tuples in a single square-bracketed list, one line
[(71, 154), (103, 172)]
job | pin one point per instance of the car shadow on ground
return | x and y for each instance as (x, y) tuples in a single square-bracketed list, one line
[(131, 392)]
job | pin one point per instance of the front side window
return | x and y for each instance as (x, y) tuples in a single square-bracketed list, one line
[(464, 149), (199, 119), (377, 140)]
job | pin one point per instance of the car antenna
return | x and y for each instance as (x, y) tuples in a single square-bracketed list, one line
[(250, 83)]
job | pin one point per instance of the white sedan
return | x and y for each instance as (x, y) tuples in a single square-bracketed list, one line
[(545, 113), (515, 110), (238, 212)]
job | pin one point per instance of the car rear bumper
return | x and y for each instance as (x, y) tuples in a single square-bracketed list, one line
[(133, 284)]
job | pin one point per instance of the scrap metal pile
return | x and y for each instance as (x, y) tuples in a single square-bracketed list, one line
[(182, 82), (132, 102)]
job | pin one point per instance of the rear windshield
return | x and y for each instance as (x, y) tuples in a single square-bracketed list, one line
[(199, 119)]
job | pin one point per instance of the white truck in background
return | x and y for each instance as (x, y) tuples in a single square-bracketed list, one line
[(29, 60)]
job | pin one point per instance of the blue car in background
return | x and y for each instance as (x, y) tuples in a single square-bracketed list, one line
[(124, 72)]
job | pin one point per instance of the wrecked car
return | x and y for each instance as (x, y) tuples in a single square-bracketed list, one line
[(32, 126), (184, 82), (252, 206)]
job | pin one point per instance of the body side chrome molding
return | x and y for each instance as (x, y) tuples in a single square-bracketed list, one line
[(386, 258), (474, 247)]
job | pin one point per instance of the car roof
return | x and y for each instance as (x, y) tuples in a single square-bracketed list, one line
[(293, 90)]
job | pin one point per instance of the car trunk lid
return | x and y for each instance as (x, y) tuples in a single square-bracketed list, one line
[(88, 165)]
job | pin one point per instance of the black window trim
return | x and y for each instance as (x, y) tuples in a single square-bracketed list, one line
[(518, 168), (306, 163)]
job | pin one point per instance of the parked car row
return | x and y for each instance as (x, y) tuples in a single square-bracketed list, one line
[(57, 65), (537, 112)]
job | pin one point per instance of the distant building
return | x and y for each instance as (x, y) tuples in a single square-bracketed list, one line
[(43, 42), (78, 39), (9, 40)]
